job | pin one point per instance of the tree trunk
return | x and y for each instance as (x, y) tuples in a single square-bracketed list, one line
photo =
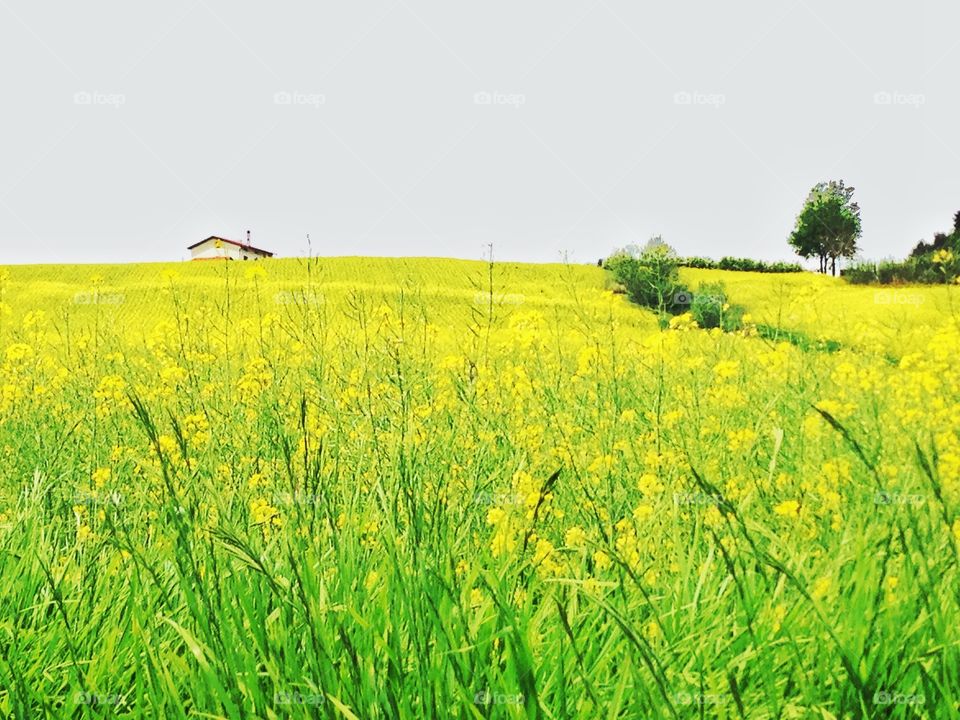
[(833, 266)]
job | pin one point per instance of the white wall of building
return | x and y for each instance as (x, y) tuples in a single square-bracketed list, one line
[(209, 251)]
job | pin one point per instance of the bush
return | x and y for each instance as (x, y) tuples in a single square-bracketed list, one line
[(929, 269), (711, 309), (650, 278), (929, 263), (698, 262), (739, 264)]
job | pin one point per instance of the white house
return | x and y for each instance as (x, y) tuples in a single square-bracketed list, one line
[(218, 248)]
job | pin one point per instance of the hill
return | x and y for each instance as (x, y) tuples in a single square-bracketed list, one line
[(379, 487)]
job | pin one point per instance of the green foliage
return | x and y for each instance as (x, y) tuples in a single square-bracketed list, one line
[(740, 264), (378, 518), (711, 309), (829, 225), (650, 277), (920, 270), (941, 241), (797, 338), (933, 263)]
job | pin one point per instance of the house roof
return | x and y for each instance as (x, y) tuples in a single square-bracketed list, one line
[(232, 242)]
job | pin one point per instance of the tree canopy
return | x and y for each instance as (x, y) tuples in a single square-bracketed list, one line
[(829, 225)]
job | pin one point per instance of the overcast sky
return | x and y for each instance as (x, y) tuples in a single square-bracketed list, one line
[(408, 127)]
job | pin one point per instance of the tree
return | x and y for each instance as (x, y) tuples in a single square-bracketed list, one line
[(649, 275), (656, 244), (829, 225), (941, 241), (920, 249)]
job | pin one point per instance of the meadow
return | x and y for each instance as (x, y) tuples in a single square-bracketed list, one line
[(415, 488)]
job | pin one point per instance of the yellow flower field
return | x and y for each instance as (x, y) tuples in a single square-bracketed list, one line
[(412, 488)]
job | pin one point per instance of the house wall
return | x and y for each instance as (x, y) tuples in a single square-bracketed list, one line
[(209, 251)]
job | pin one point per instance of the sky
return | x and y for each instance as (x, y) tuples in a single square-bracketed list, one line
[(553, 130)]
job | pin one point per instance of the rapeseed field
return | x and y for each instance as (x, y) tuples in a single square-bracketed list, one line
[(412, 488)]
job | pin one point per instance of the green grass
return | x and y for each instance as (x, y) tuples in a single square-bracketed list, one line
[(430, 488)]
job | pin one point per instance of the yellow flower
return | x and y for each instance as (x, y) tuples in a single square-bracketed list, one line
[(649, 484), (503, 543), (101, 476), (726, 369), (788, 508), (739, 439), (543, 555), (642, 512), (495, 516), (820, 588), (601, 464), (713, 518), (476, 597), (18, 352), (263, 513), (779, 613), (683, 322), (592, 586), (601, 561), (575, 537), (890, 586)]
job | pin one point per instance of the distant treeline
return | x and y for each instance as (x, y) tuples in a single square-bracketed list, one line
[(742, 264), (933, 269), (932, 263)]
